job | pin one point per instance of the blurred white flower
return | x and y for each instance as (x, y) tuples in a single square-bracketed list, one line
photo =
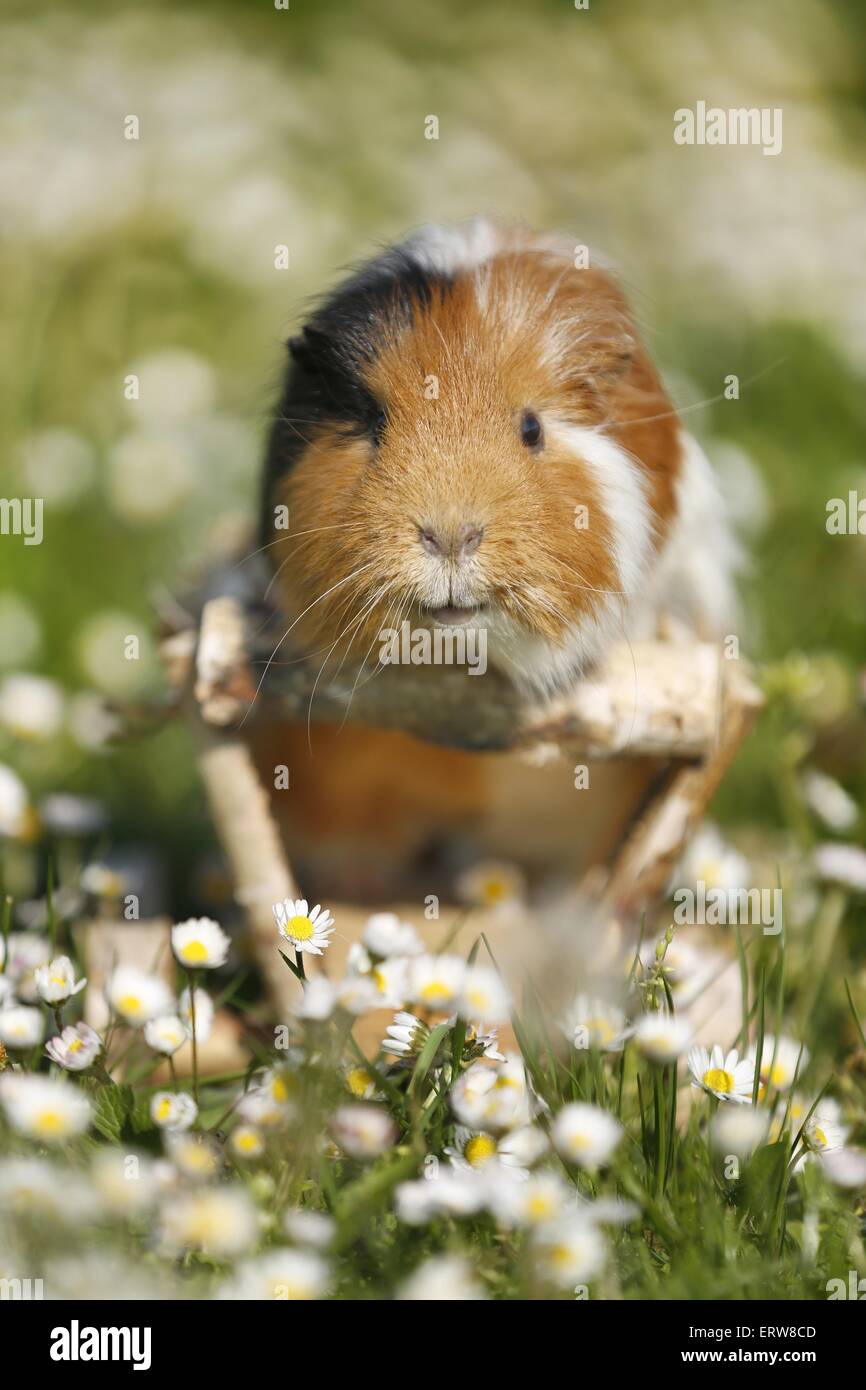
[(194, 1155), (825, 1131), (543, 1197), (219, 1220), (436, 981), (173, 1110), (27, 950), (43, 1191), (778, 1062), (21, 1026), (738, 1129), (204, 1013), (173, 385), (125, 1180), (483, 995), (363, 1131), (31, 707), (165, 1034), (442, 1278), (246, 1142), (586, 1134), (17, 819), (200, 943), (20, 630), (43, 1109), (842, 864), (283, 1275), (152, 473), (830, 801), (662, 1037), (492, 885), (115, 652), (594, 1023), (136, 996), (494, 1098), (58, 466), (76, 1048), (56, 982), (314, 1228), (91, 723), (709, 859), (317, 1001), (568, 1251), (385, 935), (845, 1167), (722, 1075)]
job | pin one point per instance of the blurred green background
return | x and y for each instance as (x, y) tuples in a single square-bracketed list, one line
[(306, 127)]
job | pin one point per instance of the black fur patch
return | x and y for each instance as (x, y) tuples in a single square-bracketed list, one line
[(324, 381)]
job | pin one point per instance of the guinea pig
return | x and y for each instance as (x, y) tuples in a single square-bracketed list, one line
[(471, 431)]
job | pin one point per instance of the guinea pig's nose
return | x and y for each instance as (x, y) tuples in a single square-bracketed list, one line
[(456, 544)]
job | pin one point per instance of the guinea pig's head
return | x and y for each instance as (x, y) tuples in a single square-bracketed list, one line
[(469, 435)]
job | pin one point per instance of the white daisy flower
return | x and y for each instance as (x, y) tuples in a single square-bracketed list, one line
[(830, 801), (31, 707), (493, 885), (357, 994), (778, 1063), (662, 1037), (485, 1039), (586, 1134), (543, 1197), (125, 1181), (494, 1098), (44, 1109), (391, 980), (200, 943), (709, 859), (56, 982), (76, 1048), (204, 1013), (406, 1036), (442, 1278), (569, 1251), (842, 864), (318, 1000), (165, 1034), (21, 1026), (41, 1190), (385, 935), (594, 1023), (363, 1131), (360, 1083), (524, 1146), (195, 1156), (17, 817), (483, 995), (313, 1228), (247, 1142), (137, 997), (173, 1110), (453, 1192), (721, 1074), (282, 1275), (27, 950), (303, 929), (738, 1129), (270, 1103), (220, 1220), (473, 1148), (825, 1132), (436, 981), (845, 1167)]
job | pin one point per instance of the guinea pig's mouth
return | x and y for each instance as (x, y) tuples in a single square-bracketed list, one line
[(449, 615)]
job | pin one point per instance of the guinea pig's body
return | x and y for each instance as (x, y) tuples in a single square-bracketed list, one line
[(471, 432)]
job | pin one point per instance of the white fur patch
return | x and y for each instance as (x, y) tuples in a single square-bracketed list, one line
[(448, 250)]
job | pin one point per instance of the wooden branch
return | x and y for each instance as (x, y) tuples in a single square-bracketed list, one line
[(648, 699)]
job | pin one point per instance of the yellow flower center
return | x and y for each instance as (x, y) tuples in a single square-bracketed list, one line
[(540, 1207), (821, 1137), (247, 1142), (279, 1089), (76, 1045), (600, 1029), (301, 928), (435, 991), (479, 1149), (194, 952), (718, 1080), (163, 1110), (49, 1122), (129, 1004), (281, 1290), (357, 1081), (493, 890)]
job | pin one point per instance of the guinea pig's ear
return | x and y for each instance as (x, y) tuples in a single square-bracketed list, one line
[(609, 357), (310, 349)]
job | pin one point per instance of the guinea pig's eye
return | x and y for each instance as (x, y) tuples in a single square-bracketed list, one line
[(531, 432)]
